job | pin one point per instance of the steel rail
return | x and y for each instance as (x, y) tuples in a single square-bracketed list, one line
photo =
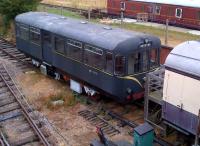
[(25, 112)]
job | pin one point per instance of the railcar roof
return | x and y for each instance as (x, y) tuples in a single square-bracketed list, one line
[(95, 34), (185, 57), (186, 3)]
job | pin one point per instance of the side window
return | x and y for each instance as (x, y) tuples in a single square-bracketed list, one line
[(47, 38), (113, 4), (109, 62), (142, 8), (119, 65), (17, 28), (93, 56), (133, 8), (198, 15), (24, 32), (74, 49), (179, 13), (137, 62), (153, 58), (122, 5), (59, 45), (35, 35), (158, 9)]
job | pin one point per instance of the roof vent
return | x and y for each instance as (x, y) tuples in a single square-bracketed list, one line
[(107, 28), (83, 22)]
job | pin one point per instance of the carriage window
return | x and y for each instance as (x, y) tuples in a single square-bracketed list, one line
[(142, 8), (133, 8), (158, 8), (93, 56), (74, 49), (17, 25), (198, 15), (153, 58), (47, 38), (109, 62), (113, 4), (122, 5), (59, 45), (24, 32), (179, 13), (119, 65), (35, 35)]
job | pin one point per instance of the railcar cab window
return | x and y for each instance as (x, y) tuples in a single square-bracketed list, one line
[(109, 62), (74, 49), (138, 62), (35, 35), (119, 65), (153, 58), (179, 13), (59, 45), (24, 32), (93, 56)]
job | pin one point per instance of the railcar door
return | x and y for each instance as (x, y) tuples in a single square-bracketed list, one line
[(47, 47)]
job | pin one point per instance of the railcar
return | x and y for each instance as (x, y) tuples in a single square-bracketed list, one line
[(179, 13), (99, 58), (175, 91)]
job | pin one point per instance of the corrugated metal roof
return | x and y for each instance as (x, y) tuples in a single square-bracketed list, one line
[(95, 34), (187, 3), (185, 57)]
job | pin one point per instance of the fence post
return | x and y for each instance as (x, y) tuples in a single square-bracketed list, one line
[(166, 32)]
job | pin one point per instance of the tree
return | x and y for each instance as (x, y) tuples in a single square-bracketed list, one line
[(11, 8)]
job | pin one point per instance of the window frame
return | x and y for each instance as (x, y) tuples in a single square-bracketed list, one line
[(198, 15), (17, 29), (158, 7), (35, 31), (181, 13), (105, 68), (156, 57), (122, 6), (64, 46), (48, 42), (124, 65), (69, 43), (25, 27), (100, 53)]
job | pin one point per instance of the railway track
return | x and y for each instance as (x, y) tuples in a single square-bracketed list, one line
[(14, 108), (8, 51), (113, 123)]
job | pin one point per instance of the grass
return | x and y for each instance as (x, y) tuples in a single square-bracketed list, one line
[(60, 12), (67, 97), (174, 37)]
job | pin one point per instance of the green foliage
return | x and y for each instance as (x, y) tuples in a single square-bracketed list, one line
[(10, 8)]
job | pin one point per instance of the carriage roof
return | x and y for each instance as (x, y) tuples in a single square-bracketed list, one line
[(186, 3), (95, 34), (185, 58)]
